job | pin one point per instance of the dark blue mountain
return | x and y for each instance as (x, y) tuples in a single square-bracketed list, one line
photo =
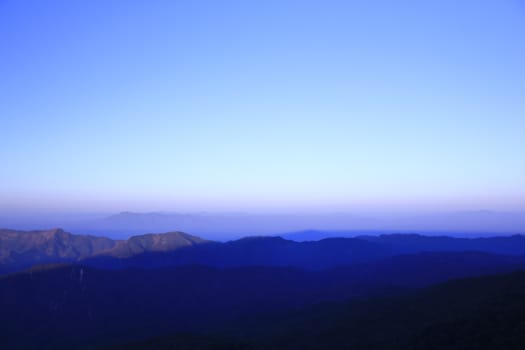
[(326, 253), (19, 250), (65, 306)]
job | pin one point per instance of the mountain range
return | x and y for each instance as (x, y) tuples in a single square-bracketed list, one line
[(23, 249), (177, 291)]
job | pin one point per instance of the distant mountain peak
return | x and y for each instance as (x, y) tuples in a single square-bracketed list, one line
[(261, 239), (54, 232), (153, 242)]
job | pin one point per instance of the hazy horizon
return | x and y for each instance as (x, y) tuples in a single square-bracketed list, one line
[(233, 225)]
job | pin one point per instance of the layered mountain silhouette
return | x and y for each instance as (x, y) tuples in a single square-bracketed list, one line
[(469, 314), (22, 249), (65, 306), (326, 253), (85, 292)]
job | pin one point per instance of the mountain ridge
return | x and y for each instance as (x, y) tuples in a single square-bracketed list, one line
[(22, 249)]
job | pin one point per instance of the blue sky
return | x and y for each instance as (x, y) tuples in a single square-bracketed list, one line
[(262, 105)]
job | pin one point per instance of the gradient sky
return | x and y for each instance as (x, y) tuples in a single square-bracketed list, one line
[(262, 105)]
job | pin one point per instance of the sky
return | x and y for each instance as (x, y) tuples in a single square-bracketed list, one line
[(268, 105)]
